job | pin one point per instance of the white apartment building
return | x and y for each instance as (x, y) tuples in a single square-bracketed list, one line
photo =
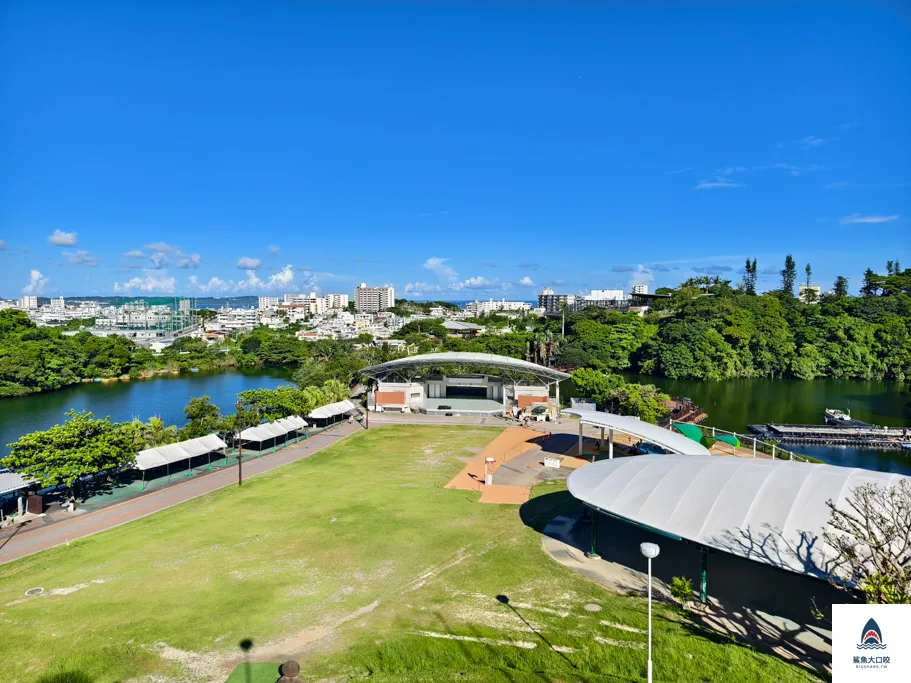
[(267, 302), (58, 303), (234, 319), (315, 305), (605, 295), (336, 302), (28, 303), (373, 299), (491, 306), (184, 306), (640, 289)]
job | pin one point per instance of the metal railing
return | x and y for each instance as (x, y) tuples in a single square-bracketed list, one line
[(758, 445)]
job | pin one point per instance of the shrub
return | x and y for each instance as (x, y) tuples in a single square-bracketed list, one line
[(682, 590)]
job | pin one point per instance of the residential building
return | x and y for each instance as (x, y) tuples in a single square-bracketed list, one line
[(553, 303), (491, 306), (28, 303), (373, 299), (315, 305), (268, 302), (336, 302), (184, 306), (58, 303), (814, 291), (640, 289)]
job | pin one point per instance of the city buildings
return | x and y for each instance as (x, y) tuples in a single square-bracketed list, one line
[(267, 303), (28, 303), (640, 289), (491, 306), (373, 299)]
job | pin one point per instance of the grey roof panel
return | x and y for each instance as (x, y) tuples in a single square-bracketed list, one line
[(467, 358), (672, 441)]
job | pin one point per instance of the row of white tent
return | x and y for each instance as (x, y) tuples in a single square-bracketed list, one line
[(272, 430), (333, 409), (175, 452)]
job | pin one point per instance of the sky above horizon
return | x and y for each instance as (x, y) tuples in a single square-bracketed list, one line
[(453, 150)]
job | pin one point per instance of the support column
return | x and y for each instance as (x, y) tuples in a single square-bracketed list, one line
[(558, 400), (601, 441), (754, 446), (703, 574), (580, 438), (592, 554), (610, 445)]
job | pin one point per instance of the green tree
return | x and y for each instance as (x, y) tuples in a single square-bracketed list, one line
[(788, 275), (644, 401), (595, 385), (840, 288), (81, 446), (871, 284), (203, 417), (243, 417)]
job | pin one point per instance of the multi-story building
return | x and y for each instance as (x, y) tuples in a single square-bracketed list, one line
[(640, 289), (491, 306), (28, 303), (267, 302), (58, 303), (315, 305), (809, 293), (373, 299), (336, 302), (184, 306), (553, 303)]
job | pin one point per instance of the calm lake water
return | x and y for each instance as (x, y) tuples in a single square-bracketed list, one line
[(734, 404), (730, 405), (165, 397)]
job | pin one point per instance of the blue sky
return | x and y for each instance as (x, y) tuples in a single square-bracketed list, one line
[(454, 150)]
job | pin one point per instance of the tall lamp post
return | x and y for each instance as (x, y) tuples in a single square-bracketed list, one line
[(650, 551)]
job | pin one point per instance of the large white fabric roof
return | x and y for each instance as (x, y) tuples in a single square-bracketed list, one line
[(10, 481), (271, 430), (672, 441), (769, 511), (333, 409), (466, 358), (175, 452)]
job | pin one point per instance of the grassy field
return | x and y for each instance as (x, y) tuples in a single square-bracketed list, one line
[(360, 564)]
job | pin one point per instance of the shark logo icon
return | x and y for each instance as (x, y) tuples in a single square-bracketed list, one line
[(872, 638)]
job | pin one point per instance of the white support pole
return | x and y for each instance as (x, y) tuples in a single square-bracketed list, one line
[(713, 431), (610, 445), (649, 620), (754, 446), (774, 448), (580, 438), (601, 442)]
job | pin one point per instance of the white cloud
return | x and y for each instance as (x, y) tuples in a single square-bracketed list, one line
[(80, 257), (641, 276), (36, 283), (151, 283), (678, 171), (440, 269), (161, 246), (3, 246), (858, 218), (526, 282), (478, 282), (808, 142), (417, 288), (730, 170), (214, 286), (719, 181), (63, 239), (273, 249), (188, 260), (159, 260), (135, 253), (792, 169), (283, 278), (247, 263)]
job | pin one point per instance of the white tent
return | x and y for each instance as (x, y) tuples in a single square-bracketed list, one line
[(175, 452), (272, 430), (766, 511), (672, 441), (333, 409), (10, 481)]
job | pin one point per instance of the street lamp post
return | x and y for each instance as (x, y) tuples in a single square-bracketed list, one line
[(649, 550)]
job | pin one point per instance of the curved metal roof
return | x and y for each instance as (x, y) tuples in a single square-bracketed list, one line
[(769, 511), (672, 441), (467, 358)]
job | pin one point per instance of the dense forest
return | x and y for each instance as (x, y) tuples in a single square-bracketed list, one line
[(706, 329)]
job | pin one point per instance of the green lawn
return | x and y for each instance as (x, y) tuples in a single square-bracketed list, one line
[(358, 561)]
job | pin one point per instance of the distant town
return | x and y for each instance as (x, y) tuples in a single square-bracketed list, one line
[(372, 311)]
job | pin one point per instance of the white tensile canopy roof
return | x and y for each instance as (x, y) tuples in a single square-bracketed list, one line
[(672, 441), (769, 511), (506, 363), (175, 452), (271, 430), (333, 409), (10, 481)]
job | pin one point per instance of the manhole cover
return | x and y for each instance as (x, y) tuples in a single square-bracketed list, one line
[(591, 607), (34, 591)]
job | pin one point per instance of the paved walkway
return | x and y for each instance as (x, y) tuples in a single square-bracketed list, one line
[(18, 543)]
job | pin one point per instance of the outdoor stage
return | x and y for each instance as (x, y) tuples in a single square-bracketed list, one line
[(461, 406)]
